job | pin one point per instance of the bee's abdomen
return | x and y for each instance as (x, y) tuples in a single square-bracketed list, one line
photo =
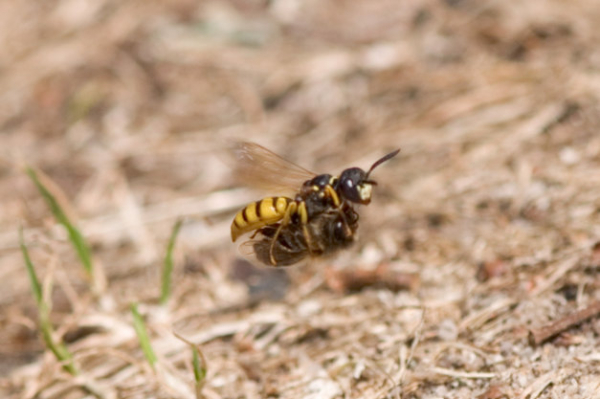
[(258, 214)]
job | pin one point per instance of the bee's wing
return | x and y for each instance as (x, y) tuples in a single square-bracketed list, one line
[(257, 166), (248, 251), (256, 251)]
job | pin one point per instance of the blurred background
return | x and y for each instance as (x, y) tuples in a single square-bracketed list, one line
[(488, 219)]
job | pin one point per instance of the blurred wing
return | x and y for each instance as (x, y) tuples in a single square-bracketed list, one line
[(248, 251), (259, 167)]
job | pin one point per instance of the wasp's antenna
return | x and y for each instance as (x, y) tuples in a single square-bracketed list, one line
[(382, 160)]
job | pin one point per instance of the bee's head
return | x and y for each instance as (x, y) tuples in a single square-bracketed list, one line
[(354, 183)]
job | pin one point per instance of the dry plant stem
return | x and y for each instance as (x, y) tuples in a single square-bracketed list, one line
[(540, 335), (461, 374), (540, 384)]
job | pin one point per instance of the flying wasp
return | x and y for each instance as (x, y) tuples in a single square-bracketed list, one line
[(318, 219)]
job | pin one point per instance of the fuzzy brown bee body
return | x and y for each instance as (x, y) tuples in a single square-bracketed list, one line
[(317, 221), (328, 233)]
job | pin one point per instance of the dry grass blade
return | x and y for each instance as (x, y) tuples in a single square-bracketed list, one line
[(461, 374), (59, 349), (129, 113), (540, 384), (168, 265), (142, 333), (75, 236)]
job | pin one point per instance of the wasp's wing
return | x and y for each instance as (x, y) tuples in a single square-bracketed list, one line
[(257, 166)]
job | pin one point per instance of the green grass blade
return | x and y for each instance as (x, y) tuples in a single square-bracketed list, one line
[(199, 366), (142, 333), (75, 236), (168, 265), (36, 287), (59, 349)]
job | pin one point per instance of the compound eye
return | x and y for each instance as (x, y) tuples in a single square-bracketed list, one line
[(349, 190), (349, 183)]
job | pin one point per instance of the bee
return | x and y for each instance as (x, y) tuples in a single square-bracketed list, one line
[(318, 219), (329, 232)]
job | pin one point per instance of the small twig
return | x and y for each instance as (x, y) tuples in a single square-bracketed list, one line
[(560, 270), (462, 374), (477, 319), (540, 335), (536, 388)]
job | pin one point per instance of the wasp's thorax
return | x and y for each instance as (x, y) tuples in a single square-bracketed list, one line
[(352, 185)]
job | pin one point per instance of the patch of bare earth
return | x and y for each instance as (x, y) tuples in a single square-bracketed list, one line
[(483, 235)]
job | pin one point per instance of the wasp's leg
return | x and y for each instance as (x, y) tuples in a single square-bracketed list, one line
[(302, 212), (339, 208), (308, 240), (331, 193), (292, 208), (337, 204)]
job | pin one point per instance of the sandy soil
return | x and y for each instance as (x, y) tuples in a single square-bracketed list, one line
[(481, 234)]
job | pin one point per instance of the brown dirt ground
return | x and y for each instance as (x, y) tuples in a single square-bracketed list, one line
[(487, 226)]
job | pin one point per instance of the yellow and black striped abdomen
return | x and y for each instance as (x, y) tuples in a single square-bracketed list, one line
[(259, 214)]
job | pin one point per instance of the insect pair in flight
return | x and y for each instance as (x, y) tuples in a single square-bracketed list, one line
[(317, 219)]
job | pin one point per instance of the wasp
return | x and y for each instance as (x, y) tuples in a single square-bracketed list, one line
[(318, 219)]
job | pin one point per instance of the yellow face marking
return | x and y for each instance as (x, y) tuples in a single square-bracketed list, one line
[(364, 192)]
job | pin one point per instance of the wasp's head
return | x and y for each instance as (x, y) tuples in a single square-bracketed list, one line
[(354, 183), (355, 187)]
